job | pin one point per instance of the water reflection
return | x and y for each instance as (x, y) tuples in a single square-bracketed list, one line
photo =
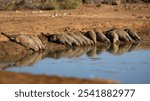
[(73, 52), (20, 60), (7, 61), (29, 59), (91, 51), (119, 49)]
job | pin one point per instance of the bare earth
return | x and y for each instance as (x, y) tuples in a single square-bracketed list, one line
[(135, 16)]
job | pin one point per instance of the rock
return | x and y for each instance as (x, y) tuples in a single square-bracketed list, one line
[(133, 34)]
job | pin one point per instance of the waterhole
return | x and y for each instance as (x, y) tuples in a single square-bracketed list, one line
[(125, 63)]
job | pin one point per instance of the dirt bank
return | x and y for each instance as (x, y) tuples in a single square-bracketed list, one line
[(24, 78)]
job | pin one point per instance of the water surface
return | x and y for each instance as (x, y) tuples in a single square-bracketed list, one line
[(126, 63)]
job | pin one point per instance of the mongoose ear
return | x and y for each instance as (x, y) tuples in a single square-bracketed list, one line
[(45, 34)]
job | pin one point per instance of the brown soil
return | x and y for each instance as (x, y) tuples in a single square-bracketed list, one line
[(105, 17), (24, 78), (134, 16)]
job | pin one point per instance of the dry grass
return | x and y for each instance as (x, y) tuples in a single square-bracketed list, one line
[(42, 4)]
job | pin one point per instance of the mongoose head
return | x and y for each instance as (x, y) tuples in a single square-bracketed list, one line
[(52, 38), (132, 34)]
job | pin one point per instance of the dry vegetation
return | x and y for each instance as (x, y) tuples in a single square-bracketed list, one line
[(38, 4), (55, 4)]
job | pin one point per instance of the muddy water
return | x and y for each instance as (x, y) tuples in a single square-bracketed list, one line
[(126, 63)]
